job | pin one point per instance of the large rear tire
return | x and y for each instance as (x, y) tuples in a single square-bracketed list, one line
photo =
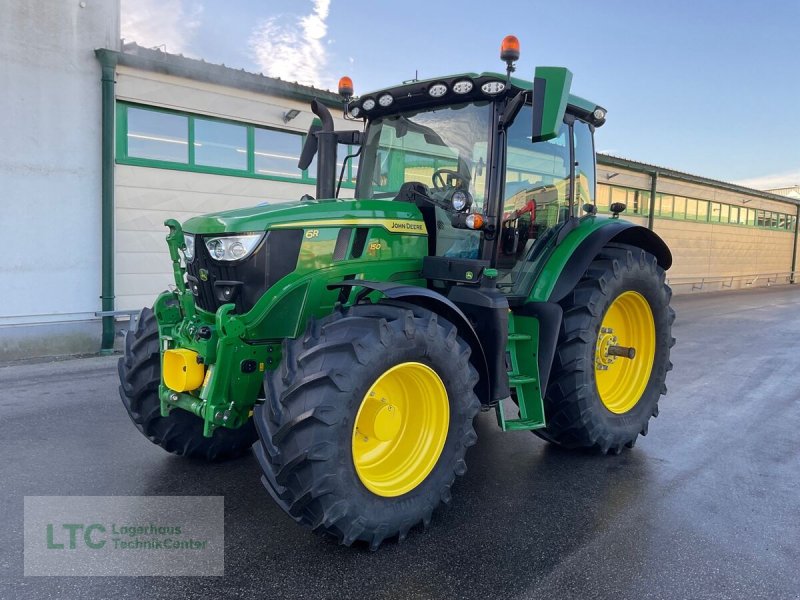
[(367, 421), (181, 432), (596, 399)]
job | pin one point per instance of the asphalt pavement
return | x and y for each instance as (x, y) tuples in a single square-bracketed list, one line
[(706, 506)]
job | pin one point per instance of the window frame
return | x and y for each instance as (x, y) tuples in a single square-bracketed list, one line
[(122, 156)]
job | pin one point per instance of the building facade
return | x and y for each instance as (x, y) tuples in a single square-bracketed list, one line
[(50, 174), (108, 141)]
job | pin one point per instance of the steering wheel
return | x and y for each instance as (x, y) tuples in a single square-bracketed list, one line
[(439, 181)]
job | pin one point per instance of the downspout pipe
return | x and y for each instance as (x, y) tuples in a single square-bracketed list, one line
[(792, 278), (651, 213), (108, 63)]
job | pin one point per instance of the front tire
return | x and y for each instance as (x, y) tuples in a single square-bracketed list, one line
[(367, 421), (596, 399), (181, 432)]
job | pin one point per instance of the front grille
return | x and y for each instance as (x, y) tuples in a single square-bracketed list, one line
[(243, 282)]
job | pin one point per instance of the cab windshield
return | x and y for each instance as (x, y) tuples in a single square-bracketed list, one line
[(413, 146), (433, 146)]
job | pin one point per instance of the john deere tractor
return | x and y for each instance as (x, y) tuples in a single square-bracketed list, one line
[(352, 342)]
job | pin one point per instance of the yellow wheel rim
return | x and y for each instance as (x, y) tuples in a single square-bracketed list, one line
[(400, 429), (627, 324)]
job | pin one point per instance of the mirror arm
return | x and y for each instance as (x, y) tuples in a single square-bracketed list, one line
[(513, 107)]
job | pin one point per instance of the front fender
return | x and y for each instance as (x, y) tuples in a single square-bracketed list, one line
[(570, 259), (435, 302)]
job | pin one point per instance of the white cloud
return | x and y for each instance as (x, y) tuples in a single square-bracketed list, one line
[(293, 48), (772, 182), (170, 24)]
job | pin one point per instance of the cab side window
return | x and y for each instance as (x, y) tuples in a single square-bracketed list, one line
[(584, 165), (536, 193)]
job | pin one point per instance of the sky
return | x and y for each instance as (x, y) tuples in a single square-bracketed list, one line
[(710, 87)]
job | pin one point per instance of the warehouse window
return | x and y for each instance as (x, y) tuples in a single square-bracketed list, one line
[(277, 152), (691, 209), (167, 139), (666, 205), (218, 144), (157, 135), (679, 207)]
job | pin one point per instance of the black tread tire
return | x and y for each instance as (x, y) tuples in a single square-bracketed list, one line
[(575, 415), (181, 432), (305, 424)]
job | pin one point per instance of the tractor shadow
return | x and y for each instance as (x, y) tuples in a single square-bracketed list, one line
[(523, 508)]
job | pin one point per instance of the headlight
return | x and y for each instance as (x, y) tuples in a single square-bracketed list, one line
[(460, 200), (233, 247), (188, 250)]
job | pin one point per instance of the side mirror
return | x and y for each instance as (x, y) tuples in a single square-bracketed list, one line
[(550, 93), (310, 146)]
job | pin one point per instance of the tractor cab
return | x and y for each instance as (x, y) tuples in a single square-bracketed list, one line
[(494, 170)]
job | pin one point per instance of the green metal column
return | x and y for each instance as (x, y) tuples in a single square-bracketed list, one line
[(794, 245), (108, 61), (653, 186)]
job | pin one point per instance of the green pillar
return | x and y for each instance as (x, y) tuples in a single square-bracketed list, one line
[(108, 62)]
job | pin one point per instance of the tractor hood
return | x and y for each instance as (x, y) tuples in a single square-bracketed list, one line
[(394, 216)]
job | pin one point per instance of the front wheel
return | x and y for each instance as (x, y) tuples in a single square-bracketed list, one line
[(367, 421), (613, 353)]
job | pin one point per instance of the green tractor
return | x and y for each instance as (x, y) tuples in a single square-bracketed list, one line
[(352, 342)]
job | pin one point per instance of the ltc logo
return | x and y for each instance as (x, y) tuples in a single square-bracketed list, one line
[(76, 534)]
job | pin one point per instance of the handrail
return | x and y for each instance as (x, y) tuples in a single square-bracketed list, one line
[(133, 316), (726, 281)]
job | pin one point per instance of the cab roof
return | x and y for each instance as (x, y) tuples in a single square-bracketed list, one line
[(411, 94)]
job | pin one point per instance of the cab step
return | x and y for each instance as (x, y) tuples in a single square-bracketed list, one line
[(523, 335)]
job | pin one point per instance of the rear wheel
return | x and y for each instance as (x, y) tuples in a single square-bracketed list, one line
[(181, 432), (613, 353), (367, 421)]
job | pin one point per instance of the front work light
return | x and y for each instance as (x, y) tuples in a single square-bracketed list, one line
[(462, 87), (437, 90), (233, 247), (493, 87)]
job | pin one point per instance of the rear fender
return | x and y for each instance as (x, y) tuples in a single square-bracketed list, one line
[(578, 249)]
